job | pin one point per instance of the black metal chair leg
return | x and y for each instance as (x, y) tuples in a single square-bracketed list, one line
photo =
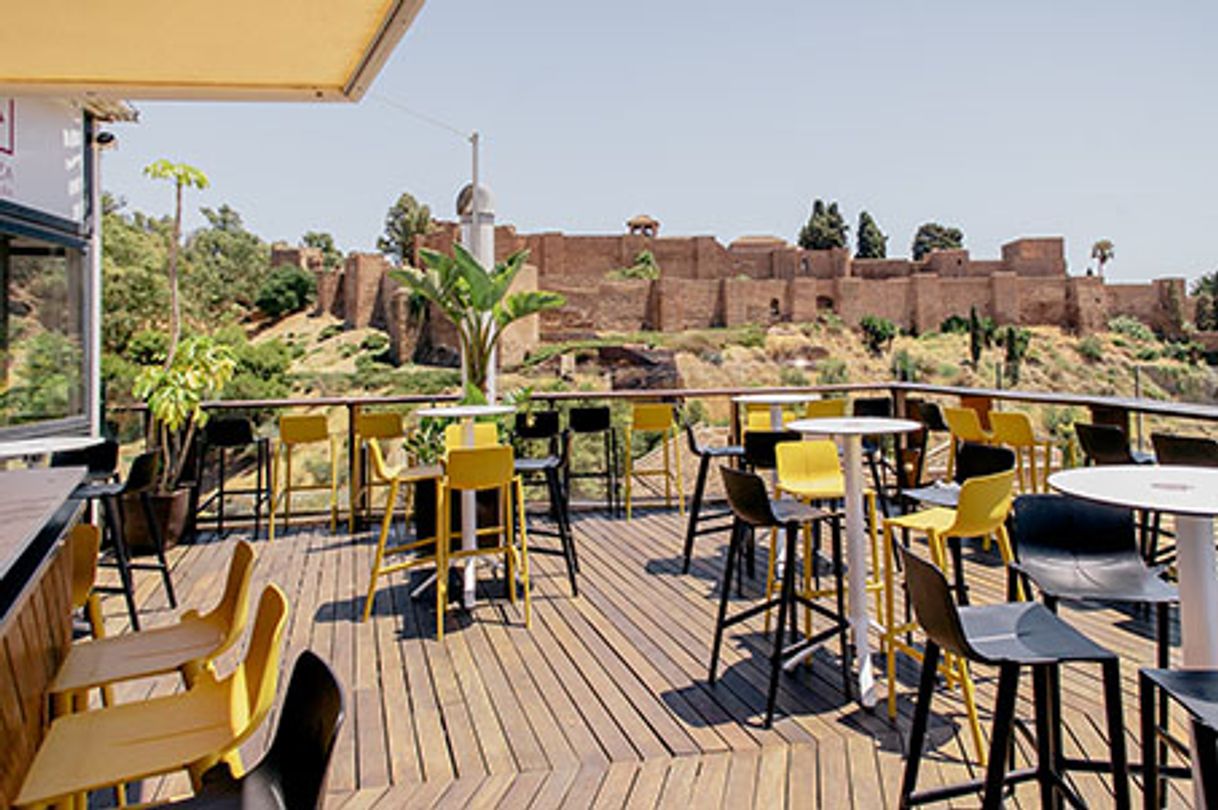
[(564, 536), (1152, 752), (1207, 751), (1163, 654), (1116, 733), (158, 544), (260, 452), (844, 625), (122, 560), (784, 605), (220, 497), (694, 507), (725, 591), (917, 733), (1004, 721), (1045, 754)]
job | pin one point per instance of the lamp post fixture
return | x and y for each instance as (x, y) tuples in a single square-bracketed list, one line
[(477, 213)]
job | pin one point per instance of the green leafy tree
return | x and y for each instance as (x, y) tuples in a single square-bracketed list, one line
[(872, 244), (287, 289), (47, 379), (182, 176), (135, 292), (331, 256), (476, 301), (824, 229), (405, 220), (933, 236), (975, 336), (1103, 252), (878, 333), (1206, 291), (225, 265)]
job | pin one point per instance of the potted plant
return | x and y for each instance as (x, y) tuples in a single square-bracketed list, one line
[(175, 395)]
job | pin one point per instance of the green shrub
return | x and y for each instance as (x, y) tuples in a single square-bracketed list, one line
[(752, 337), (878, 333), (789, 375), (333, 330), (832, 371), (1090, 348), (954, 325), (1130, 327), (1146, 354), (905, 367), (286, 289), (644, 268), (147, 347), (1185, 351)]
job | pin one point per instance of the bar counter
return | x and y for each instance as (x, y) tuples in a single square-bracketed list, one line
[(36, 509)]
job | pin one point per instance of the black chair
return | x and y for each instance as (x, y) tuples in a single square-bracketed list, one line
[(101, 460), (589, 421), (551, 469), (972, 461), (911, 458), (141, 479), (225, 434), (537, 426), (1108, 444), (701, 523), (759, 452), (1009, 636), (1197, 691), (292, 774), (873, 451), (1185, 451), (753, 509)]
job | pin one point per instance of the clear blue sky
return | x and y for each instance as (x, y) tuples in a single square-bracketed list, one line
[(1085, 119)]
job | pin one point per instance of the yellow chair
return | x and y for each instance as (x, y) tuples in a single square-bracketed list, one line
[(486, 434), (84, 543), (1014, 430), (476, 469), (295, 430), (190, 730), (825, 408), (965, 426), (655, 417), (984, 505), (368, 428), (188, 646), (422, 550), (811, 471)]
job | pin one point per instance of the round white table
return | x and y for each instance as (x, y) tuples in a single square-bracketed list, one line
[(469, 504), (775, 403), (852, 429), (1191, 495), (45, 446)]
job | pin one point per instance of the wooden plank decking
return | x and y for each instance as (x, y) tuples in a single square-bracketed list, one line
[(604, 703)]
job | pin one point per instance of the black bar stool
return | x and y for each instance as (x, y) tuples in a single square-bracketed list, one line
[(101, 460), (753, 509), (538, 426), (588, 421), (551, 468), (141, 478), (1009, 636), (225, 434), (1108, 444), (713, 519), (1197, 691)]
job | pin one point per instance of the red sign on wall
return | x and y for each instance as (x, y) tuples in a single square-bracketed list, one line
[(8, 126)]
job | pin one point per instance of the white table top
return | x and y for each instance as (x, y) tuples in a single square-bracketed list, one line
[(1158, 487), (465, 411), (775, 399), (859, 425), (46, 445)]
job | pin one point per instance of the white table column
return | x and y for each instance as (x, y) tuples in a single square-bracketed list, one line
[(469, 523), (856, 543)]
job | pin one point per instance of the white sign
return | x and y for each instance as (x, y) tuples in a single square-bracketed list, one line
[(42, 158)]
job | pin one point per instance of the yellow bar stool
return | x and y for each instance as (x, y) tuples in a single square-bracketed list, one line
[(369, 427), (486, 434), (984, 505), (191, 730), (477, 469), (964, 424), (1014, 430), (811, 471), (188, 647), (296, 430), (655, 417), (825, 408), (421, 551)]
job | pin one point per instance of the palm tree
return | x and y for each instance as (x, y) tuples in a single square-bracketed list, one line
[(476, 301), (1103, 251)]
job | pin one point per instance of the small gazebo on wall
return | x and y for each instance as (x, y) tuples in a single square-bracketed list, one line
[(643, 225)]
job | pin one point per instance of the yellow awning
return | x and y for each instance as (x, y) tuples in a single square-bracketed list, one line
[(290, 50)]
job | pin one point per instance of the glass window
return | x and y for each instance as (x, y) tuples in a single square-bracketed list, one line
[(42, 358)]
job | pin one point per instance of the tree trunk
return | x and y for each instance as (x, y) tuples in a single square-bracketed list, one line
[(175, 326)]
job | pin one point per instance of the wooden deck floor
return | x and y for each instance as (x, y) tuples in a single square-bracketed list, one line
[(604, 703)]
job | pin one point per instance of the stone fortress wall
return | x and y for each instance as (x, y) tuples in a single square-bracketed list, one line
[(754, 280)]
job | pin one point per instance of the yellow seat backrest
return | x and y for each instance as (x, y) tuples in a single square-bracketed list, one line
[(486, 434), (814, 460), (480, 467), (302, 428), (378, 425), (232, 611), (252, 683), (381, 470), (985, 502), (757, 420), (825, 408), (83, 542), (651, 416), (965, 424), (1012, 428)]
